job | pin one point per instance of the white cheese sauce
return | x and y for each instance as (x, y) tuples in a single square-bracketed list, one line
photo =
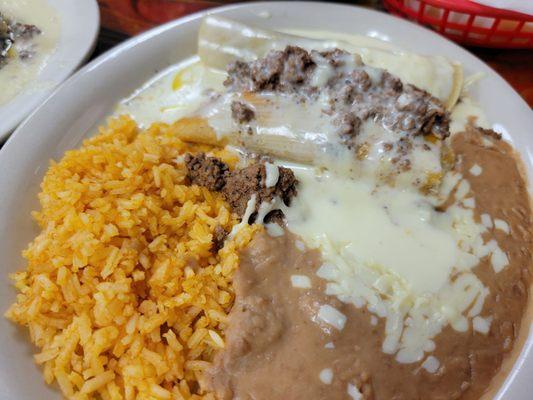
[(173, 94), (17, 74), (367, 224), (388, 250), (272, 174)]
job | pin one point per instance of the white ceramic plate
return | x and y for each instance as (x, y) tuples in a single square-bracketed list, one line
[(83, 101), (79, 24)]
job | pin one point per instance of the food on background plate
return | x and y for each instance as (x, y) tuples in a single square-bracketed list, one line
[(15, 34), (28, 36), (303, 224)]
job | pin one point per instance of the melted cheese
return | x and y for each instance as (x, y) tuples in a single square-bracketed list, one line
[(173, 94), (388, 250), (464, 112), (395, 234), (250, 208), (272, 175)]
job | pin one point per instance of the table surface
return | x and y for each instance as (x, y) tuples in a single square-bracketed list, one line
[(124, 18)]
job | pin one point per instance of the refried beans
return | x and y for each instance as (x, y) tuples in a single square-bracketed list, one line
[(275, 350)]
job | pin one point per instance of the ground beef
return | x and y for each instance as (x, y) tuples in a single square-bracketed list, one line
[(489, 132), (11, 32), (403, 108), (354, 96), (219, 236), (26, 54), (241, 112), (239, 185), (391, 84), (243, 183), (348, 128), (209, 172), (362, 80), (335, 57), (25, 31), (278, 71)]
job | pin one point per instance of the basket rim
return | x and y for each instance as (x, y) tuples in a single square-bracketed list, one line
[(469, 7)]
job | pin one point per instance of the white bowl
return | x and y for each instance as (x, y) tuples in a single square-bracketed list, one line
[(79, 24), (84, 100)]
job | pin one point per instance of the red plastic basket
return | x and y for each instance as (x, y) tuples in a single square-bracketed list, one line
[(469, 23)]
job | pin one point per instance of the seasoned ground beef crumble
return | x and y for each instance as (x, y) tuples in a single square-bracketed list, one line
[(239, 185)]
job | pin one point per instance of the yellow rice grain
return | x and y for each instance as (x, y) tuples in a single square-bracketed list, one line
[(122, 293), (97, 382)]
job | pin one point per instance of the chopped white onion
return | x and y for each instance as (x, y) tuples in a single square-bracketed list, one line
[(462, 189), (326, 271), (498, 260), (274, 230), (354, 393), (431, 364), (326, 376), (481, 325), (486, 220), (502, 225), (476, 170), (469, 203), (300, 245), (300, 281), (332, 316)]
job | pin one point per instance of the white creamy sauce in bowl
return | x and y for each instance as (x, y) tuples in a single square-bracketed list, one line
[(17, 74)]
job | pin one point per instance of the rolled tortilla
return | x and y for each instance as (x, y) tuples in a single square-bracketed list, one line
[(198, 130), (299, 150), (222, 41)]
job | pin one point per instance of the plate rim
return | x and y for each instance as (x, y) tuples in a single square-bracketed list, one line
[(20, 133)]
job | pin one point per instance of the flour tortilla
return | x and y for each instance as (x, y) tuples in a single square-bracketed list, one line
[(222, 41)]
